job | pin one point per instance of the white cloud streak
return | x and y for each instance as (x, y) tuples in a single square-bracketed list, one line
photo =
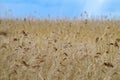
[(95, 6)]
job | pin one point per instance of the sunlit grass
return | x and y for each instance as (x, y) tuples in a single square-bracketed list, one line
[(59, 50)]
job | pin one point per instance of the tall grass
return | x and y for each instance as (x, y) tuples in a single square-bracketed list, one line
[(59, 50)]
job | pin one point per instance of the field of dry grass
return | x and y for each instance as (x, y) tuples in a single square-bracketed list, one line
[(59, 50)]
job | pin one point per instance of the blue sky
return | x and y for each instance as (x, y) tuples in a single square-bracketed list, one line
[(58, 8)]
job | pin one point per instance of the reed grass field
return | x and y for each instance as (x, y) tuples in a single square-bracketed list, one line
[(59, 49)]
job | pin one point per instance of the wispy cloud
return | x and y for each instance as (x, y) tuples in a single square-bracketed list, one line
[(95, 6)]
